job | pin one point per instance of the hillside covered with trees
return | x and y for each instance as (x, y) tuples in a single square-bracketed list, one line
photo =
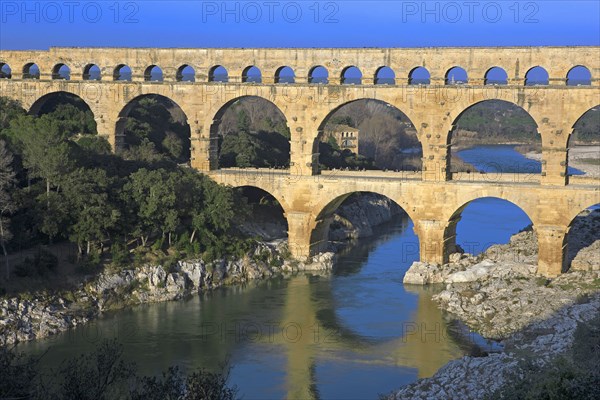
[(60, 182)]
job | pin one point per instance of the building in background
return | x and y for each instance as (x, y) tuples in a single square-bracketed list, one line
[(345, 136)]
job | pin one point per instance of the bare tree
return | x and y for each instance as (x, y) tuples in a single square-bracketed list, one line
[(7, 205)]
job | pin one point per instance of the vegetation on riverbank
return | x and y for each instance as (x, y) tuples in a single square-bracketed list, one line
[(59, 182), (104, 374)]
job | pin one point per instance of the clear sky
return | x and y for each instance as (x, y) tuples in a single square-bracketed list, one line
[(299, 23)]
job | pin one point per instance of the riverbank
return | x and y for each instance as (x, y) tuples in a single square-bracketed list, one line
[(29, 316), (583, 158), (498, 295), (474, 378)]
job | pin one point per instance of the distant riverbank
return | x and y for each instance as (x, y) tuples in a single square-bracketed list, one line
[(583, 158)]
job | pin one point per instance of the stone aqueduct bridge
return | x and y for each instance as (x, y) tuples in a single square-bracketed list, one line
[(433, 198)]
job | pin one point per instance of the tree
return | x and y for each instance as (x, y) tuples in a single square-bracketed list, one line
[(92, 212), (152, 198), (9, 110), (244, 121), (173, 145), (45, 149), (7, 204), (95, 376), (151, 120)]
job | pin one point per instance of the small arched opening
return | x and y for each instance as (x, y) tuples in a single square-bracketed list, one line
[(496, 76), (153, 74), (456, 76), (385, 76), (122, 73), (285, 75), (536, 76), (61, 71), (92, 72), (31, 71), (419, 76), (186, 73), (319, 75), (351, 76), (251, 74), (218, 73), (579, 76), (5, 71)]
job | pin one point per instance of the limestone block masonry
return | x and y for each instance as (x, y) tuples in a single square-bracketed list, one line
[(433, 199)]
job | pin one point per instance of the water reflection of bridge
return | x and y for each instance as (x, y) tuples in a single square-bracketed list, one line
[(423, 346), (262, 320), (304, 326)]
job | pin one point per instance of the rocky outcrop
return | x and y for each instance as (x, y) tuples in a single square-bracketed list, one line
[(499, 295), (357, 216), (472, 378), (498, 292), (27, 319), (41, 315), (588, 259), (508, 298)]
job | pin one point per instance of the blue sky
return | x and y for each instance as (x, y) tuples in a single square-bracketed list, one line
[(275, 23)]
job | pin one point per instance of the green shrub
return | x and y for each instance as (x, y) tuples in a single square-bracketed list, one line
[(120, 254), (158, 245)]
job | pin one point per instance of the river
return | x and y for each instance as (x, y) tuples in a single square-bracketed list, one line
[(351, 334), (503, 158)]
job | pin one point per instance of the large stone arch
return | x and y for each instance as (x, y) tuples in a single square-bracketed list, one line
[(177, 112), (277, 195), (451, 222), (324, 209), (578, 117), (570, 215), (215, 114), (323, 115), (36, 106), (459, 111), (453, 117), (529, 209), (582, 242)]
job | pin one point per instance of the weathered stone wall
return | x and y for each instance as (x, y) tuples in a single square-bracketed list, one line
[(516, 61)]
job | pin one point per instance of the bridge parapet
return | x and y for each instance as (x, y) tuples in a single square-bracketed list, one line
[(516, 61)]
